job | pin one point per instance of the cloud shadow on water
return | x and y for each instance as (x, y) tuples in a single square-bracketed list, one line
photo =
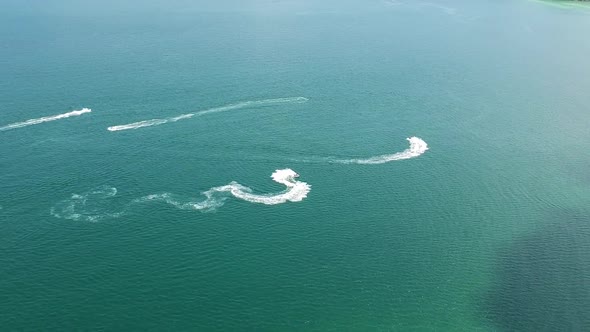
[(542, 282)]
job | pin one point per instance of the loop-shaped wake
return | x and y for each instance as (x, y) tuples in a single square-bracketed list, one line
[(90, 206)]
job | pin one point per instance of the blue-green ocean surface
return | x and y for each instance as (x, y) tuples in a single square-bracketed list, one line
[(127, 217)]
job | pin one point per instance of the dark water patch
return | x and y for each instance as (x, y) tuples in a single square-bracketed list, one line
[(542, 282)]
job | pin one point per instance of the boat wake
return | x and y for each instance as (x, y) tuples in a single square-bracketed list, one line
[(90, 206), (241, 105), (45, 119), (416, 149), (215, 197)]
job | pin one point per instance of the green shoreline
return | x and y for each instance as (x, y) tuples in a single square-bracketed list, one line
[(567, 4)]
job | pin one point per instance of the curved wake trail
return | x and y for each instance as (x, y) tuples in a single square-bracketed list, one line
[(241, 105), (92, 206), (295, 191), (45, 119), (417, 148)]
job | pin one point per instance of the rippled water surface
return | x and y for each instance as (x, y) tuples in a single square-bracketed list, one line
[(243, 165)]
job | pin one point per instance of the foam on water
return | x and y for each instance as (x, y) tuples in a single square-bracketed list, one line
[(184, 203), (140, 124), (45, 119), (215, 197), (241, 105), (296, 190), (91, 206), (417, 148)]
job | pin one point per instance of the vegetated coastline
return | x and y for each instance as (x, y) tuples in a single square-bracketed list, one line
[(583, 4)]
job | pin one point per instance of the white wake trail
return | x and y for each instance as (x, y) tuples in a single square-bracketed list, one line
[(96, 204), (241, 105), (417, 148), (45, 119), (90, 206), (296, 190), (215, 197)]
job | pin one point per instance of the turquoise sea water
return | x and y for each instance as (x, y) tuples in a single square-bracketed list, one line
[(487, 230)]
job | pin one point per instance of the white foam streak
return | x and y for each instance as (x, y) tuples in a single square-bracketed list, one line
[(182, 203), (241, 105), (215, 197), (140, 124), (417, 148), (45, 119), (93, 205), (296, 190), (89, 206)]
